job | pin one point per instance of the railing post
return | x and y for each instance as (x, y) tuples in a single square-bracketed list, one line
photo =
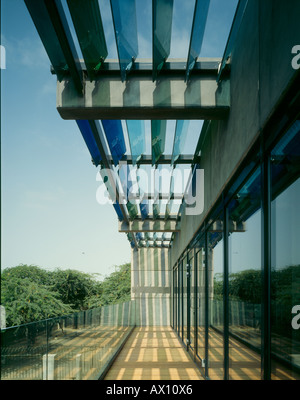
[(78, 362), (48, 367)]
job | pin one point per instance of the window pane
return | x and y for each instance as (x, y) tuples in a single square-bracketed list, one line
[(285, 274), (201, 299), (245, 281), (215, 279), (193, 299)]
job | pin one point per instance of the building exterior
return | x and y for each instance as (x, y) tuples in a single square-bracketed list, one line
[(228, 281), (234, 269)]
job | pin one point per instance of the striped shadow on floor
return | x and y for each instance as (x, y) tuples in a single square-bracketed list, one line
[(153, 353)]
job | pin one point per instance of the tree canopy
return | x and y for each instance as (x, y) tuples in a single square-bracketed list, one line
[(30, 293)]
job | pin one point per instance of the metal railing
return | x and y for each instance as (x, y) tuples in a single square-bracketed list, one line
[(80, 346)]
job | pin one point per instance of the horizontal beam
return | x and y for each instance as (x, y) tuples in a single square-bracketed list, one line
[(107, 97), (149, 226), (163, 159), (217, 226), (151, 246)]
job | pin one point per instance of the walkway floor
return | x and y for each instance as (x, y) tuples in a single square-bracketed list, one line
[(153, 353)]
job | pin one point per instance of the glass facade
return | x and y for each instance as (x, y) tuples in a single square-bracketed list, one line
[(236, 299), (285, 255)]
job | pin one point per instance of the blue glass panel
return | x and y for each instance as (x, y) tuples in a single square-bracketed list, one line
[(118, 211), (124, 18), (89, 29), (52, 26), (162, 29), (138, 236), (48, 36), (136, 135), (90, 141), (179, 138), (115, 138), (199, 22), (158, 138), (144, 208)]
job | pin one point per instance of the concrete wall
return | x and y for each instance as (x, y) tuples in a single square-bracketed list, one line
[(150, 286), (261, 72)]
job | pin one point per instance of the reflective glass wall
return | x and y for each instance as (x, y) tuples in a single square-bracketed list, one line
[(285, 255), (237, 285)]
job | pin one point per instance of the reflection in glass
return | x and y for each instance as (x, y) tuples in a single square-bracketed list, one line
[(193, 299), (285, 273), (245, 281), (215, 293), (186, 310), (201, 298)]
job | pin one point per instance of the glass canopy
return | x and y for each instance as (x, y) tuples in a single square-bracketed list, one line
[(149, 166)]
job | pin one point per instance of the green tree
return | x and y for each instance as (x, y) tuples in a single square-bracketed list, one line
[(115, 288), (74, 287), (30, 293), (26, 300)]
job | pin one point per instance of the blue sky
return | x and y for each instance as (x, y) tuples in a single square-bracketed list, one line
[(50, 216)]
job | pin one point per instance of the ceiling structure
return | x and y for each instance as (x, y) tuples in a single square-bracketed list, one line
[(137, 117)]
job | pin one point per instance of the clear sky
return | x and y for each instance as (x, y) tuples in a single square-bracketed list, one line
[(50, 216)]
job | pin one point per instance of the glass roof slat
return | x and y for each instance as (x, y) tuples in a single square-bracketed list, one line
[(115, 138), (89, 29), (125, 26), (156, 210), (131, 205), (198, 28), (52, 27), (61, 26), (239, 14), (90, 141), (179, 139), (136, 136), (118, 211), (171, 193), (111, 193), (162, 15), (158, 138), (158, 183), (127, 184), (144, 203), (144, 208)]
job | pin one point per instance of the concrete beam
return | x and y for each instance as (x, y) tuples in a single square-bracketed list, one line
[(149, 226), (169, 97)]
